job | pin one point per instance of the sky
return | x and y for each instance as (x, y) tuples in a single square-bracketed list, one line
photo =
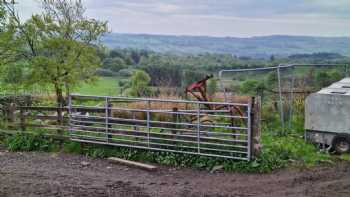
[(234, 18)]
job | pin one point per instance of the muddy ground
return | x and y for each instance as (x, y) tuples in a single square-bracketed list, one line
[(48, 174)]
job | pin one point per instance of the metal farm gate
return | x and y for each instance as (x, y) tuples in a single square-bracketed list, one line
[(191, 127)]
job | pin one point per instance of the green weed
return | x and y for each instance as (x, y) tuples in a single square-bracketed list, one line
[(30, 142), (278, 152)]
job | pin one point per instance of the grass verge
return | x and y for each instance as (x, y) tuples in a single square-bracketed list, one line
[(278, 152)]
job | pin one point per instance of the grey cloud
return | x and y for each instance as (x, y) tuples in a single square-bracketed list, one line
[(223, 17)]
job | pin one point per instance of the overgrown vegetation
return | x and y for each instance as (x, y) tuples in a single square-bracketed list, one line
[(30, 142), (278, 152)]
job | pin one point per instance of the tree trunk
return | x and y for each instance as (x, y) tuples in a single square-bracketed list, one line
[(67, 91), (60, 105)]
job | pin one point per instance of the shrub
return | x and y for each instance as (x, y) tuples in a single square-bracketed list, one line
[(30, 142), (140, 84)]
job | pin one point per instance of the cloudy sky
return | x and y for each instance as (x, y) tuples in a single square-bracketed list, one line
[(241, 18)]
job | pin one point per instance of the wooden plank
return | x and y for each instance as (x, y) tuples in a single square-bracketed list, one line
[(54, 109), (41, 108), (132, 164)]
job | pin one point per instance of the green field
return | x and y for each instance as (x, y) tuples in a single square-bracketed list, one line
[(103, 86)]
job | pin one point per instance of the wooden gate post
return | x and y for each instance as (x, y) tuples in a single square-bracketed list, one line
[(256, 127), (12, 114)]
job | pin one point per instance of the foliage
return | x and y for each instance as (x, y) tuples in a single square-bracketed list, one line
[(278, 152), (326, 78), (140, 84), (291, 149), (30, 142), (8, 41), (14, 77), (179, 70), (114, 64), (57, 46), (252, 87), (164, 74), (271, 80)]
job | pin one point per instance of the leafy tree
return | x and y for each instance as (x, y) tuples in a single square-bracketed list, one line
[(140, 84), (7, 42), (59, 45), (123, 84), (114, 64), (14, 77), (253, 87)]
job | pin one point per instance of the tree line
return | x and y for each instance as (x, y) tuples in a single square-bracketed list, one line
[(56, 48)]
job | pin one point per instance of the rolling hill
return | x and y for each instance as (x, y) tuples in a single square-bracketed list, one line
[(254, 46)]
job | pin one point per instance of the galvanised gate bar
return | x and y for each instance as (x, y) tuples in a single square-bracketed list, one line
[(215, 129)]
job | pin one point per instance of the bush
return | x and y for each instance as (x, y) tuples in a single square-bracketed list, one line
[(30, 142), (139, 85), (279, 151)]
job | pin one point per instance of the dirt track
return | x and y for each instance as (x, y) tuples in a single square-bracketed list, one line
[(43, 174)]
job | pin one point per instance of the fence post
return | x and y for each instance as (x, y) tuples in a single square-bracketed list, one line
[(22, 119), (256, 127), (12, 114), (107, 120), (198, 127), (280, 98), (109, 125), (148, 122), (249, 126)]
